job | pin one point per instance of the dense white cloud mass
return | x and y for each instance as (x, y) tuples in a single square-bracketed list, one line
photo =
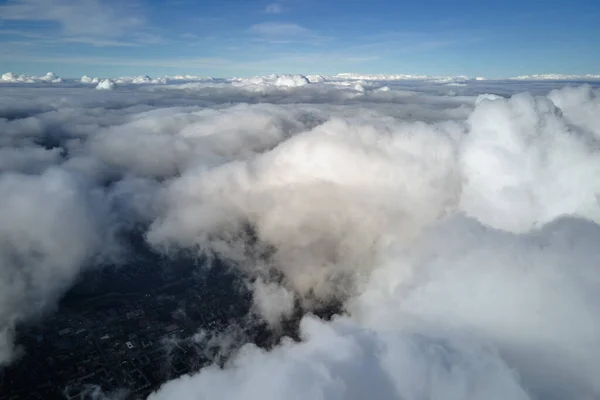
[(373, 210), (106, 84), (88, 79), (10, 77), (524, 151), (532, 296), (457, 225), (274, 80), (326, 218)]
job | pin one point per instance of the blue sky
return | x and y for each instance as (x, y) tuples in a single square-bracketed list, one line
[(492, 38)]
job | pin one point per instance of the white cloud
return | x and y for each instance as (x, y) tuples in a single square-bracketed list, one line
[(50, 77), (106, 84), (51, 229), (94, 22), (274, 8), (82, 17), (342, 362), (437, 295), (46, 36), (273, 80), (523, 151), (310, 196)]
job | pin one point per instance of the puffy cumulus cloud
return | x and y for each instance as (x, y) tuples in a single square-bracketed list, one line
[(88, 79), (323, 204), (166, 142), (51, 225), (525, 163), (533, 296), (465, 254), (106, 84), (580, 106), (261, 83), (291, 80), (11, 77)]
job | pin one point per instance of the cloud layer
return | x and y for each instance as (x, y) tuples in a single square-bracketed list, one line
[(456, 228)]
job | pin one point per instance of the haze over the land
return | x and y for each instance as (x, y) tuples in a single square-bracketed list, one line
[(456, 220)]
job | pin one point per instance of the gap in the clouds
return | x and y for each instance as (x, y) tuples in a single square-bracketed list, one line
[(200, 305)]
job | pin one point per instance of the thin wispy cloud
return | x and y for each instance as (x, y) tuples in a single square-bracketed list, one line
[(147, 37), (47, 38), (82, 17), (198, 62), (283, 33), (20, 33), (96, 42), (280, 29), (305, 60), (90, 22), (189, 36), (274, 8)]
